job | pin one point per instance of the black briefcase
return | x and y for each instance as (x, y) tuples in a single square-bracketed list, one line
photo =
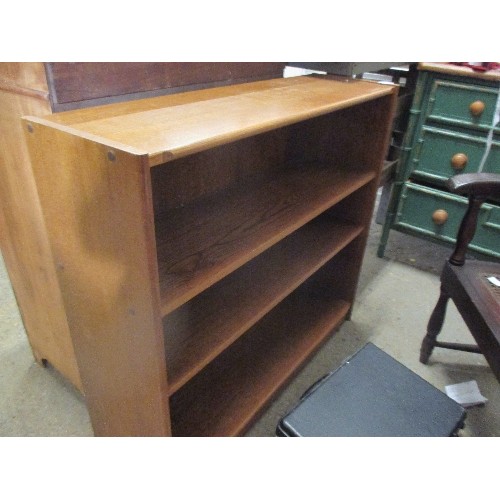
[(372, 394)]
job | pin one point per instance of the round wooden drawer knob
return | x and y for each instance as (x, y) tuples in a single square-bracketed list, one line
[(459, 161), (440, 216), (477, 107)]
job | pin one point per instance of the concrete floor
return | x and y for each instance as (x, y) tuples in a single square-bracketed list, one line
[(395, 297)]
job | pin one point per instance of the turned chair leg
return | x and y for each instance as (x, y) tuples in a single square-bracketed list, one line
[(434, 327)]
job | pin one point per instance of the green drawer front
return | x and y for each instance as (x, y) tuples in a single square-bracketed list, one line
[(419, 203), (436, 148), (450, 102)]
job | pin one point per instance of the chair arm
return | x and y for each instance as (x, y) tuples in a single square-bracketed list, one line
[(480, 185), (478, 188)]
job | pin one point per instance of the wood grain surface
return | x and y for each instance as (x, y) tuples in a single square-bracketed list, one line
[(23, 239), (72, 82), (100, 226), (245, 378), (196, 333), (203, 242), (170, 127)]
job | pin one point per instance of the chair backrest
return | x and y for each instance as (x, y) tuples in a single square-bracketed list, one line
[(478, 187)]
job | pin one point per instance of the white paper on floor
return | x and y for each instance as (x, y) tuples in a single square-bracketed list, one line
[(494, 280), (466, 393)]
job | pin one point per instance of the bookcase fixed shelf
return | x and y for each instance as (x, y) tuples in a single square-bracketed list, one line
[(201, 243), (207, 243)]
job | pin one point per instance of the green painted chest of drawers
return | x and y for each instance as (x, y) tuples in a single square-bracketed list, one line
[(454, 128)]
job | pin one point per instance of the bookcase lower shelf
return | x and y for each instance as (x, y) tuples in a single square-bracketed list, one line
[(226, 397), (201, 329)]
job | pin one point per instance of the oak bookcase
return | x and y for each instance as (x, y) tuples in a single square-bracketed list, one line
[(206, 243)]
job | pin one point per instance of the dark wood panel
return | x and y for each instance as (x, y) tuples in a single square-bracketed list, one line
[(352, 138), (80, 81), (203, 174)]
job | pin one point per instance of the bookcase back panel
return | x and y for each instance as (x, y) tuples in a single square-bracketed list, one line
[(190, 178)]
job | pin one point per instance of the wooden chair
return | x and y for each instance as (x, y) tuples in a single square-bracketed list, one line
[(477, 300)]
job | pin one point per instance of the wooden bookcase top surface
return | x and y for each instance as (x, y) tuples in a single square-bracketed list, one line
[(168, 127)]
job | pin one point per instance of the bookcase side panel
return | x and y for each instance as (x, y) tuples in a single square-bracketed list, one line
[(97, 206)]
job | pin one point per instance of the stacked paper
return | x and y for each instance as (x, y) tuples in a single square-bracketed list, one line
[(466, 393)]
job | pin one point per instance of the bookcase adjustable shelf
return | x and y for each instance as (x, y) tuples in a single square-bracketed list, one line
[(207, 243)]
